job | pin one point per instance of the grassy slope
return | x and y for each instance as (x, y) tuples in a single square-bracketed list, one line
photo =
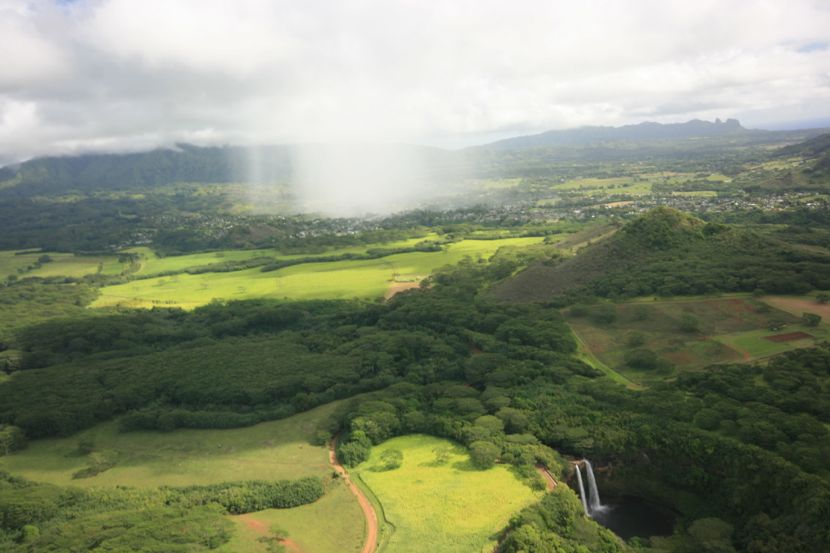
[(271, 450), (451, 507), (338, 279)]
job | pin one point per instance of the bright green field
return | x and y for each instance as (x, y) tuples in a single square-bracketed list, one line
[(62, 264), (78, 266), (271, 451), (452, 507), (152, 264), (336, 280), (332, 524)]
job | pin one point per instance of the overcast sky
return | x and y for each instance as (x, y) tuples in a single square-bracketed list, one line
[(115, 75)]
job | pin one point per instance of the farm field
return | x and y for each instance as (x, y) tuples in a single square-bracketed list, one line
[(639, 185), (722, 330), (368, 278), (763, 343), (271, 451), (332, 524), (796, 305), (450, 506)]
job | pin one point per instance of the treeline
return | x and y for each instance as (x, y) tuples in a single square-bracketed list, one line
[(44, 517)]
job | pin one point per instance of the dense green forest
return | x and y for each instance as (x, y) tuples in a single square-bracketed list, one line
[(746, 445)]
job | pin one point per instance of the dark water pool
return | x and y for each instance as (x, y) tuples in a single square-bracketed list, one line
[(631, 516)]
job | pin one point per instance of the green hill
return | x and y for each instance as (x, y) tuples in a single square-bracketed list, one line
[(666, 252)]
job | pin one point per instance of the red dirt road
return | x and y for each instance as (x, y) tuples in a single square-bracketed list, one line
[(398, 287), (371, 542)]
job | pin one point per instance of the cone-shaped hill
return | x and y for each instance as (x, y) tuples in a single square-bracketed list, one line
[(667, 252)]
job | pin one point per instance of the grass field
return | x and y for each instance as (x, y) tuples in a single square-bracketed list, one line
[(62, 264), (271, 450), (336, 280), (448, 507), (332, 524), (731, 329), (151, 264)]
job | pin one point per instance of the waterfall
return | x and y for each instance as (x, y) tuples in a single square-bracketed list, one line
[(594, 502), (581, 490)]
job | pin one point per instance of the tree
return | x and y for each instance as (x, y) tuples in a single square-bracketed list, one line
[(484, 454), (641, 358), (811, 319), (635, 339), (12, 439), (603, 314), (689, 323)]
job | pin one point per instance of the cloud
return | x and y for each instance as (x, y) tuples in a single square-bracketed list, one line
[(123, 75)]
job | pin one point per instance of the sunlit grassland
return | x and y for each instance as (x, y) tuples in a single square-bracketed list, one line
[(270, 451), (61, 264), (332, 524), (151, 264), (78, 266), (449, 507), (335, 280)]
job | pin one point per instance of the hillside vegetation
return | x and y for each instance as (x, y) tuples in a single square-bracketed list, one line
[(666, 252)]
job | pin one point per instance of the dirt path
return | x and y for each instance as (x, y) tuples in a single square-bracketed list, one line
[(291, 545), (550, 481), (371, 542), (398, 287), (259, 527)]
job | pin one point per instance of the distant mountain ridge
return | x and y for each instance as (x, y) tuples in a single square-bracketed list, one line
[(210, 164), (695, 128)]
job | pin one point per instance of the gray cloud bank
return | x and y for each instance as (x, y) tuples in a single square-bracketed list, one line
[(121, 75)]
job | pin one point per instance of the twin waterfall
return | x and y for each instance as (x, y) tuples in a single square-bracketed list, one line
[(590, 502)]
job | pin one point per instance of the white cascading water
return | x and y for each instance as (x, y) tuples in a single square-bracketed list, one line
[(594, 502), (582, 490)]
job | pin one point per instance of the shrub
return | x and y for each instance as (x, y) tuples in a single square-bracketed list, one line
[(484, 454), (642, 358)]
